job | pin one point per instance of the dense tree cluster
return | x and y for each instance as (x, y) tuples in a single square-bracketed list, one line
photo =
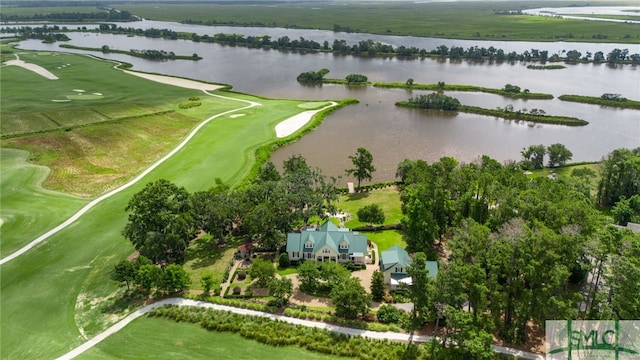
[(435, 101), (515, 246), (533, 156), (312, 77), (356, 79), (142, 275), (620, 176), (164, 218)]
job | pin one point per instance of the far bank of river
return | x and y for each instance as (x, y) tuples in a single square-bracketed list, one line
[(392, 134)]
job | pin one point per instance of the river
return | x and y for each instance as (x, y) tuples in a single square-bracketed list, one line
[(390, 133)]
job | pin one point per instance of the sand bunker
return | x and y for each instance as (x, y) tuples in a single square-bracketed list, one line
[(78, 90), (33, 67), (185, 83), (294, 123), (236, 115)]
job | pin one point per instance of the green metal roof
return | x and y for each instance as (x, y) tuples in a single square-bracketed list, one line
[(330, 235), (396, 256)]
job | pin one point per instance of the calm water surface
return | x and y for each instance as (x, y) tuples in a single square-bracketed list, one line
[(390, 133)]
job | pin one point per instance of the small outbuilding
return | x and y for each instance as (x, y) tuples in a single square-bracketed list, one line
[(394, 263)]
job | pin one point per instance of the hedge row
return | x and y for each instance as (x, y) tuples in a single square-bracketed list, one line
[(369, 187), (243, 304), (278, 333), (189, 105)]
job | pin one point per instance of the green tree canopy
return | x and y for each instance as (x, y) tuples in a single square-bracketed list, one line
[(371, 214), (160, 222), (620, 176), (308, 275), (378, 287), (533, 157), (350, 298), (281, 289), (558, 155), (363, 165), (263, 271)]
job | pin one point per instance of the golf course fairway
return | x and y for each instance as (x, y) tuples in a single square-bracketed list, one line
[(58, 294)]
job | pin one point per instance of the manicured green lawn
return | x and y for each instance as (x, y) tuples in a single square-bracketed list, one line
[(64, 281), (386, 239), (27, 209), (388, 199), (29, 106), (145, 339), (565, 171)]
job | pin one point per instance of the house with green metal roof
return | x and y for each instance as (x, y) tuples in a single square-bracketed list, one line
[(394, 263), (327, 243)]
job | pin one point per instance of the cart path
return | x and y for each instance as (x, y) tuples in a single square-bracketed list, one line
[(392, 336)]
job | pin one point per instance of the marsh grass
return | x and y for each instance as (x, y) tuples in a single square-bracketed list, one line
[(459, 20)]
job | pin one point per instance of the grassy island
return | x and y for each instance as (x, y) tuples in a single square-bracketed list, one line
[(145, 54), (510, 91), (442, 102), (603, 100)]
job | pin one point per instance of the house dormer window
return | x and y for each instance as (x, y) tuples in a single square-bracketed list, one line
[(399, 269), (308, 245), (326, 251), (344, 245)]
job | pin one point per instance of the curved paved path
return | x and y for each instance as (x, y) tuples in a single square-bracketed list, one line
[(96, 201), (392, 336)]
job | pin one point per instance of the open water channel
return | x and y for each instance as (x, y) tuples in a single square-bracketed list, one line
[(392, 134)]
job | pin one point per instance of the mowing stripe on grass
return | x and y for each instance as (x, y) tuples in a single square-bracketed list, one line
[(93, 203)]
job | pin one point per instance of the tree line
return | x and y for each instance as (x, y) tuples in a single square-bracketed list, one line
[(517, 246), (105, 15), (374, 48)]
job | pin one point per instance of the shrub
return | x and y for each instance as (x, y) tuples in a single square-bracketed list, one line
[(351, 266), (356, 79), (194, 98), (283, 260), (237, 290), (190, 104), (242, 275), (388, 314)]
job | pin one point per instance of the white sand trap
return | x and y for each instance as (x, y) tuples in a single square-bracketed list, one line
[(185, 83), (294, 123), (97, 94), (79, 90), (236, 115), (65, 100), (33, 67)]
